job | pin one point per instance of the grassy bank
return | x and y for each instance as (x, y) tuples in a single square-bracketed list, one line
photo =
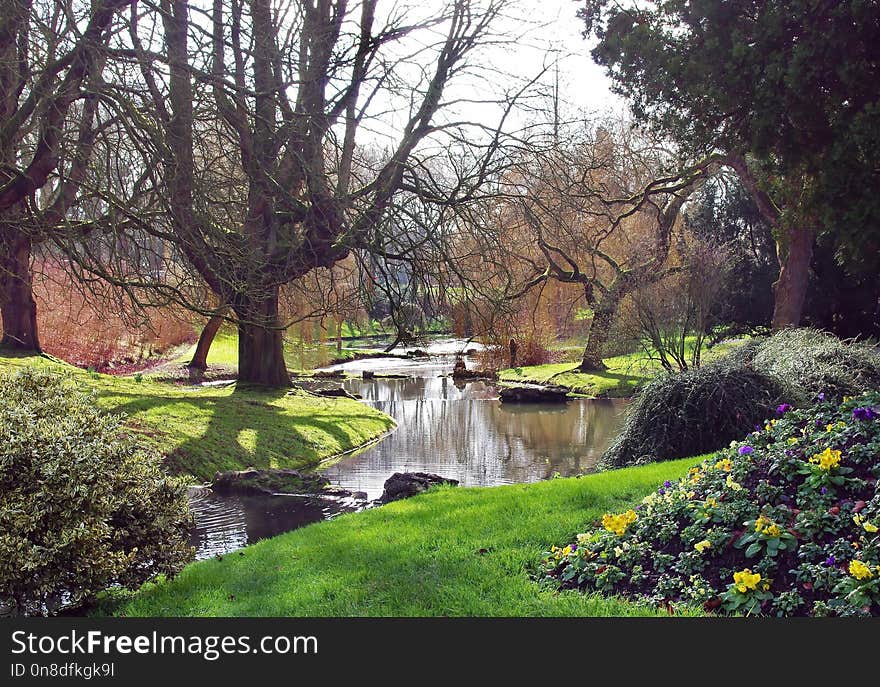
[(453, 551), (202, 431), (624, 374), (298, 356)]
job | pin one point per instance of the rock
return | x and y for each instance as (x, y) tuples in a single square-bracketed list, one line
[(273, 481), (402, 485), (417, 353), (329, 374), (460, 371), (334, 392), (534, 394), (369, 374)]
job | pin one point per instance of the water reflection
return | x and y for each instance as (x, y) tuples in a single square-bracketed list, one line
[(225, 523), (460, 430)]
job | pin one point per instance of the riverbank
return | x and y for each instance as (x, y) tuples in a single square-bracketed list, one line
[(449, 552), (199, 431), (621, 379)]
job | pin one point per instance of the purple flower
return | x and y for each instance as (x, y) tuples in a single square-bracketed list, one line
[(574, 547), (823, 490), (864, 413), (783, 409), (667, 483), (830, 561), (822, 396), (746, 450), (661, 491)]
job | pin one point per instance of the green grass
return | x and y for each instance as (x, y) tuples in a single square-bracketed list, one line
[(451, 551), (624, 374), (298, 357), (202, 431)]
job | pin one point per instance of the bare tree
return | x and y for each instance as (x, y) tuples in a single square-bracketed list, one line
[(51, 58), (285, 90), (598, 210)]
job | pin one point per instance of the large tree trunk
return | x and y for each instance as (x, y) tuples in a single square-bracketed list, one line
[(17, 305), (260, 342), (795, 254), (206, 338), (603, 317)]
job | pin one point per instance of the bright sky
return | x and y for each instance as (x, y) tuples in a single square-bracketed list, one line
[(532, 34)]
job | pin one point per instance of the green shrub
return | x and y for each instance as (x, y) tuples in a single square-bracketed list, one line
[(783, 523), (809, 362), (692, 412), (83, 506), (700, 410)]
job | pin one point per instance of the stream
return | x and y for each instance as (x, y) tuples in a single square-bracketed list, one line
[(453, 428)]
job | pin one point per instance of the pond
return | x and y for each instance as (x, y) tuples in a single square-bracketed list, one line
[(452, 428)]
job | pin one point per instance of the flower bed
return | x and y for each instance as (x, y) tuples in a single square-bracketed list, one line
[(782, 523)]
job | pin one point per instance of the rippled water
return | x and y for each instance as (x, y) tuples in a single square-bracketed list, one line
[(452, 428), (226, 522)]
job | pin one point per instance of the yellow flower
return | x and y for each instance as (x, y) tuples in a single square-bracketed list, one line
[(829, 427), (864, 524), (732, 484), (746, 580), (618, 523), (703, 545), (793, 440), (765, 525), (711, 502), (860, 571), (725, 465), (829, 458)]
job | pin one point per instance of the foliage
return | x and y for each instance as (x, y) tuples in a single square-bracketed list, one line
[(84, 505), (782, 523), (791, 83), (448, 552), (810, 362), (701, 410), (694, 411)]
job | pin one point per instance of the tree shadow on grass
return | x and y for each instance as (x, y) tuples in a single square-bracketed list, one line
[(246, 428)]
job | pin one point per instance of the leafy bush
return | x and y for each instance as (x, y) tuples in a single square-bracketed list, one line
[(83, 507), (782, 523), (809, 362), (695, 411), (700, 410)]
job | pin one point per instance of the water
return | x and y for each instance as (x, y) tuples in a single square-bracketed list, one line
[(452, 428), (226, 522)]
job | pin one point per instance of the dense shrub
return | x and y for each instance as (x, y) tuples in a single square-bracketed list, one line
[(809, 362), (82, 506), (700, 410), (695, 411), (783, 523)]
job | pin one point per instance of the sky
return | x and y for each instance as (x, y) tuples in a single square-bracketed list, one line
[(531, 35)]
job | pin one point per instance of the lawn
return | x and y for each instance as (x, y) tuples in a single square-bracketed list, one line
[(298, 356), (200, 431), (449, 552), (624, 374)]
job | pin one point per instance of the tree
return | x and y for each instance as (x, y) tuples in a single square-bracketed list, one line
[(785, 89), (51, 58), (287, 92), (600, 213)]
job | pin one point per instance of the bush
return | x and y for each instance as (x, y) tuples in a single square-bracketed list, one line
[(689, 413), (700, 410), (783, 523), (809, 362), (83, 506)]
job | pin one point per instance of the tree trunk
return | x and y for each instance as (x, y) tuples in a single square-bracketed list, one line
[(603, 318), (17, 305), (790, 289), (260, 342), (206, 338)]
